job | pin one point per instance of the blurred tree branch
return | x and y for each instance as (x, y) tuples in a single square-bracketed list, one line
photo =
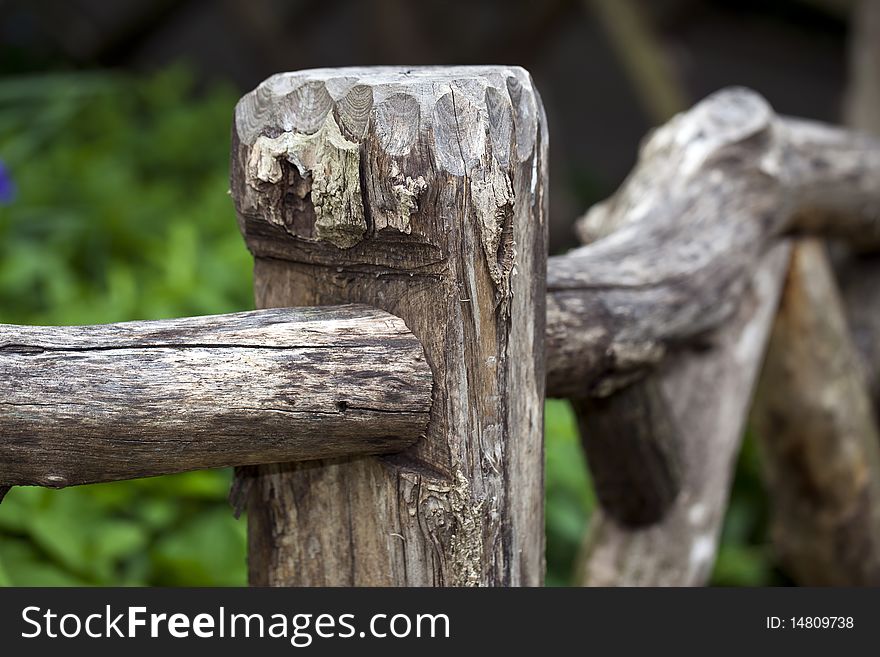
[(644, 60), (818, 438)]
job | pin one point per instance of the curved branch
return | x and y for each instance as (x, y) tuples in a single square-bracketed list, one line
[(671, 251), (672, 259)]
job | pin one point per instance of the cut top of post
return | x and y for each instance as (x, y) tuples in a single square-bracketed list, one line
[(345, 158), (398, 100)]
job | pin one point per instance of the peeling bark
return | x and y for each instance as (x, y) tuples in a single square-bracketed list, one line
[(329, 165)]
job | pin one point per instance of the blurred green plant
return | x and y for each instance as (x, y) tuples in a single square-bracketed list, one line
[(120, 212), (569, 493), (121, 209), (744, 554), (115, 208)]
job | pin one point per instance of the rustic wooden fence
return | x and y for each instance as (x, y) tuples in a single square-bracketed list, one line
[(384, 408)]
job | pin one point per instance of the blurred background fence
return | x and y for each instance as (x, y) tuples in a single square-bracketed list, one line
[(114, 148)]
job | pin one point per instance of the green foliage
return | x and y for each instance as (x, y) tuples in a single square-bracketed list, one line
[(121, 212), (174, 530), (744, 555), (570, 497)]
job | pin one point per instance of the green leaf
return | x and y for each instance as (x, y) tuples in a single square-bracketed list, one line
[(4, 578), (569, 495), (25, 567), (208, 551), (742, 566)]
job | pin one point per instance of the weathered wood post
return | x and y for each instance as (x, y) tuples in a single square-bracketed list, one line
[(421, 192)]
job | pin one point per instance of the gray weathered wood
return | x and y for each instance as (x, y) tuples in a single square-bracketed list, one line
[(669, 258), (711, 190), (631, 440), (814, 422), (708, 392), (681, 241), (421, 191), (119, 401)]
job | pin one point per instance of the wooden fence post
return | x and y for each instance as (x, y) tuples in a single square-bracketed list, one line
[(421, 192)]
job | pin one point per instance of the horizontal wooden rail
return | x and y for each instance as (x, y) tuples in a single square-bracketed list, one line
[(120, 401)]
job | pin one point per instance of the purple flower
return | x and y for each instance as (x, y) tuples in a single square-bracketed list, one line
[(7, 186)]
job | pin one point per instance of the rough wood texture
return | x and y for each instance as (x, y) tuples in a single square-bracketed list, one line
[(818, 436), (708, 393), (669, 258), (711, 189), (82, 404), (694, 175), (421, 191), (632, 450)]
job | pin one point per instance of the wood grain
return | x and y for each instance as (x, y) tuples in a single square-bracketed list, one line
[(451, 185), (119, 401), (632, 450)]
